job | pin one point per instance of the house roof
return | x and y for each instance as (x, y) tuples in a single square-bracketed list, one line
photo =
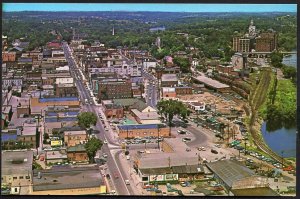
[(77, 148)]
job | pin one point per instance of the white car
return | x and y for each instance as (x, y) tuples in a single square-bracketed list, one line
[(104, 155), (105, 141), (127, 182)]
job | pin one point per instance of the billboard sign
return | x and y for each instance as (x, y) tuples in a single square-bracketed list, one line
[(157, 178), (171, 177), (56, 143)]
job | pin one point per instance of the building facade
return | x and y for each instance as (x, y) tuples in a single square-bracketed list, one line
[(142, 130)]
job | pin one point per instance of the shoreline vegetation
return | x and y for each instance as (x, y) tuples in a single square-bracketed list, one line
[(258, 99)]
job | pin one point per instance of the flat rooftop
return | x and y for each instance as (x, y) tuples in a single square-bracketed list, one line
[(67, 178), (138, 126), (75, 133), (58, 99), (211, 82), (169, 77), (16, 162)]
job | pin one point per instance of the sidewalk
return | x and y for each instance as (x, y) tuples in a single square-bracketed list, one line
[(135, 182)]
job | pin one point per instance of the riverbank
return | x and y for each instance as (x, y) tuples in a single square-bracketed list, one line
[(257, 98)]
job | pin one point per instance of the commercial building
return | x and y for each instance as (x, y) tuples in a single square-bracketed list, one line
[(44, 102), (143, 130), (169, 80), (235, 177), (212, 84), (171, 174), (16, 170), (145, 117), (9, 56), (169, 92), (241, 44), (68, 181), (114, 89), (56, 156), (77, 153), (112, 110), (73, 138), (184, 90)]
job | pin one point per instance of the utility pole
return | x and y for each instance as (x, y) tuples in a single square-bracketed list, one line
[(158, 136), (127, 132)]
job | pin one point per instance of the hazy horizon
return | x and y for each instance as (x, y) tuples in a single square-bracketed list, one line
[(148, 7)]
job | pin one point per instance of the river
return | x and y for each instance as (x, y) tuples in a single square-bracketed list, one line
[(290, 61), (281, 140)]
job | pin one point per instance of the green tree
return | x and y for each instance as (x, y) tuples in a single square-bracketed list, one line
[(86, 119), (92, 146), (276, 59), (170, 108), (289, 72), (183, 63)]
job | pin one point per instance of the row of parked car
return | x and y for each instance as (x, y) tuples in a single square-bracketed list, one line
[(150, 139)]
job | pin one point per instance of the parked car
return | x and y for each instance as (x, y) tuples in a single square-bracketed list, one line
[(214, 151), (201, 148), (186, 139), (127, 182), (104, 155)]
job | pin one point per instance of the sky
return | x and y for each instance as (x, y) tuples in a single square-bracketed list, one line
[(10, 7)]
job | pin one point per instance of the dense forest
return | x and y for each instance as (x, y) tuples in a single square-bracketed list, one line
[(210, 32)]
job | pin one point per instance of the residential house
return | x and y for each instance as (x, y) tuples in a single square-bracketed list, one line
[(112, 110), (169, 80)]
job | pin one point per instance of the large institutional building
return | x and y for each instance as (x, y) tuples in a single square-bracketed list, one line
[(263, 42)]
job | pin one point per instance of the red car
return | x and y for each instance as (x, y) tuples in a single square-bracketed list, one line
[(289, 168)]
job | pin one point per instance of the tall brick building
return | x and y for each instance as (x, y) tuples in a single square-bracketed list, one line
[(241, 44), (266, 42), (114, 89)]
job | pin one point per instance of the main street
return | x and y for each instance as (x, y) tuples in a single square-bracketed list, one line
[(151, 89), (116, 175)]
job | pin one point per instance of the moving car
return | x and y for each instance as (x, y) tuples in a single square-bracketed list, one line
[(105, 141)]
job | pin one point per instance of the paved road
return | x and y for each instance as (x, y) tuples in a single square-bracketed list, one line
[(84, 94), (151, 89)]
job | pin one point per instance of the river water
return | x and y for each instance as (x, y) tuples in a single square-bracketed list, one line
[(290, 61), (281, 140)]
